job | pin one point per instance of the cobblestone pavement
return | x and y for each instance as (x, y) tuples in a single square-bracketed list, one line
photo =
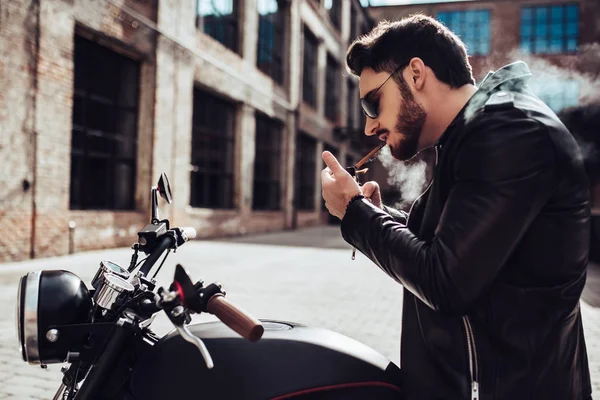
[(271, 276)]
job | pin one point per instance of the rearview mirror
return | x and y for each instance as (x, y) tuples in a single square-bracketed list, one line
[(164, 188)]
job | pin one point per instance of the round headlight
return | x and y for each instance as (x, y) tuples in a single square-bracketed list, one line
[(49, 299)]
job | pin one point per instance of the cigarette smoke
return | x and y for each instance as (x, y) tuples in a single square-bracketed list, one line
[(410, 178)]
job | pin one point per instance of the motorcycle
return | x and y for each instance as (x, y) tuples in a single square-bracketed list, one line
[(103, 335)]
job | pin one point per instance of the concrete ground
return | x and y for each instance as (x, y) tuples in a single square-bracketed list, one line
[(305, 276)]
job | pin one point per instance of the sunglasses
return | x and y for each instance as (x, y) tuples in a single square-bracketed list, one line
[(371, 107)]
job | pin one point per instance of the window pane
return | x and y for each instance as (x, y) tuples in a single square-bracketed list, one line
[(556, 13), (571, 44), (104, 134), (484, 48), (541, 45), (220, 20), (572, 29), (472, 26), (212, 151), (267, 173), (332, 84), (271, 32), (309, 76), (541, 29), (555, 45), (526, 14), (541, 14), (572, 13)]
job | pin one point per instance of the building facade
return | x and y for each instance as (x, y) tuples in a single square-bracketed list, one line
[(233, 99), (558, 39)]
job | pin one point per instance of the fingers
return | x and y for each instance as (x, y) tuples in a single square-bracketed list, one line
[(369, 188), (332, 162)]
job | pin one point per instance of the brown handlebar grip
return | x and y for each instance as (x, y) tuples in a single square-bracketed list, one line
[(246, 325)]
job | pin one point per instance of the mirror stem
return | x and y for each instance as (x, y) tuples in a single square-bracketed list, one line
[(155, 217)]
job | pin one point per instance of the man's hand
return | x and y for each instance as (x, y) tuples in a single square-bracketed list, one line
[(372, 193), (339, 187)]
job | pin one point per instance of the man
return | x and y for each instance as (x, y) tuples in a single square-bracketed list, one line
[(492, 256)]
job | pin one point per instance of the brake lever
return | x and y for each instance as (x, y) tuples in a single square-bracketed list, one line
[(179, 317), (196, 341)]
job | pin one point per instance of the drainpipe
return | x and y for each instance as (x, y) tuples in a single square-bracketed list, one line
[(35, 7)]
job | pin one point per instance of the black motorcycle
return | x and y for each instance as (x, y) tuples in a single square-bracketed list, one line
[(103, 334)]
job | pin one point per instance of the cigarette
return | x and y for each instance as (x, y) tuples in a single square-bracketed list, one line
[(369, 156)]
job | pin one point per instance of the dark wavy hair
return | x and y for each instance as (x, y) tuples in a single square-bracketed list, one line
[(392, 45)]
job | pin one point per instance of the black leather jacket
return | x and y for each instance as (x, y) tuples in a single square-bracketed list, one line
[(492, 256)]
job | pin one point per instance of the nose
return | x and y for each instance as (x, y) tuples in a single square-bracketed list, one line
[(371, 126)]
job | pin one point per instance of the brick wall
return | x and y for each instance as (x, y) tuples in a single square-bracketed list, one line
[(36, 101), (37, 97), (17, 60)]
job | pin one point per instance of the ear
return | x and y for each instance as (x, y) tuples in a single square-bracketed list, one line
[(416, 73)]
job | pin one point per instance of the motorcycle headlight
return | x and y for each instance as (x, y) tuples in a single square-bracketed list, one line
[(49, 299)]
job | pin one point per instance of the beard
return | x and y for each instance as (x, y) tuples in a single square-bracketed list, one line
[(410, 122)]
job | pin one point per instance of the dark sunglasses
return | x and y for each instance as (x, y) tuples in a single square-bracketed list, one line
[(369, 107)]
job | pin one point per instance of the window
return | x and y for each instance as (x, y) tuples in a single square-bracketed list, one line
[(546, 30), (220, 20), (557, 94), (334, 8), (473, 27), (352, 107), (104, 130), (334, 151), (306, 149), (353, 22), (309, 76), (271, 36), (267, 164), (212, 151), (333, 87)]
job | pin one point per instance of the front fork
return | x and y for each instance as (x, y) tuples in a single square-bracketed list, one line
[(99, 373)]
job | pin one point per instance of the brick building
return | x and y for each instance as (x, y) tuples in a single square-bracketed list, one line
[(559, 40), (233, 99)]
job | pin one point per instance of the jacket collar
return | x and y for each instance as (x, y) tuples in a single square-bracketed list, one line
[(517, 71)]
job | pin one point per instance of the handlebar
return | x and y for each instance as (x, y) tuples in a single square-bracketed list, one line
[(237, 319), (165, 242), (172, 238)]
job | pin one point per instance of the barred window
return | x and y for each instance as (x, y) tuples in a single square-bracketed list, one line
[(352, 106), (309, 76), (334, 8), (557, 94), (547, 30), (306, 148), (104, 129), (271, 36), (353, 22), (473, 28), (221, 20), (267, 164), (333, 88), (212, 151)]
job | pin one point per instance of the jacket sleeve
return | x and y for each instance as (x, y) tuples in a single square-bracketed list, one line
[(505, 172), (398, 215)]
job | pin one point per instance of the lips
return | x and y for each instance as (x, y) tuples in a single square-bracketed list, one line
[(383, 136)]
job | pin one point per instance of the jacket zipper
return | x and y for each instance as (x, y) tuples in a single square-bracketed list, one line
[(472, 350)]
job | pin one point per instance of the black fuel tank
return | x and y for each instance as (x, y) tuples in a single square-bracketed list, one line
[(291, 361)]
